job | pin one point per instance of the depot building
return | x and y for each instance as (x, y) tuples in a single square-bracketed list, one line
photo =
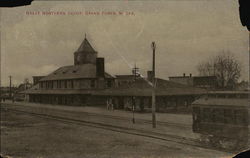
[(86, 83)]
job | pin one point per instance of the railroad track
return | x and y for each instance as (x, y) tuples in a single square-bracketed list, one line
[(179, 125), (114, 128), (140, 120)]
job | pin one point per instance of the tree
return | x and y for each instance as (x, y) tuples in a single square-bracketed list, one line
[(26, 83), (225, 67)]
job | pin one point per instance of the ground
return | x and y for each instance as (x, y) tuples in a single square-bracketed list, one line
[(27, 136)]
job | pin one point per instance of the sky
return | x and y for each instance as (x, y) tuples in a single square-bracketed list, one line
[(186, 32)]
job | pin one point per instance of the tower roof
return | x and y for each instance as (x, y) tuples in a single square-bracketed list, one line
[(85, 46)]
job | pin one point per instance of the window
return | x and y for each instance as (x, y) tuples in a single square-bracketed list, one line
[(41, 84), (72, 83), (65, 84), (59, 84), (207, 115), (218, 115), (92, 83), (109, 83), (244, 96), (228, 116), (231, 95), (241, 117), (51, 85)]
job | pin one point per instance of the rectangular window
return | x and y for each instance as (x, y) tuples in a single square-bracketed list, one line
[(207, 115), (228, 116), (59, 84), (41, 84), (51, 84), (62, 84), (72, 83), (218, 115), (241, 117), (92, 84), (65, 84), (109, 83)]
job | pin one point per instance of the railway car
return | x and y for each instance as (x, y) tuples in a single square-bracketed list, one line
[(222, 119)]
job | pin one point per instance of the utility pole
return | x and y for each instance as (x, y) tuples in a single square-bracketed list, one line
[(153, 45), (135, 73), (10, 86)]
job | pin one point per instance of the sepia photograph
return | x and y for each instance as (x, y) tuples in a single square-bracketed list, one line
[(124, 79)]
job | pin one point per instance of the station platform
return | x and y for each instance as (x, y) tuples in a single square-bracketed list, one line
[(171, 124)]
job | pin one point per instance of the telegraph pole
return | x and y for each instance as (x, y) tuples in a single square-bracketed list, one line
[(135, 73), (10, 86), (153, 45)]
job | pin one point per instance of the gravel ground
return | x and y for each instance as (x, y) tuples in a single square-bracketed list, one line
[(163, 129), (30, 137)]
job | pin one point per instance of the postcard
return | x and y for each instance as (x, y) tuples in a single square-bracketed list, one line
[(143, 79)]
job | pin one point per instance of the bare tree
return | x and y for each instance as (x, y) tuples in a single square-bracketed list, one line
[(26, 82), (225, 67)]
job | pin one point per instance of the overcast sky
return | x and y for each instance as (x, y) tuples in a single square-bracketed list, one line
[(185, 32)]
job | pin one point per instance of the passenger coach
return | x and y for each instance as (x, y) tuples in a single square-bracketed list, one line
[(222, 119)]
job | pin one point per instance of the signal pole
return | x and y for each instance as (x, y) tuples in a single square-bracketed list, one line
[(10, 86), (153, 45)]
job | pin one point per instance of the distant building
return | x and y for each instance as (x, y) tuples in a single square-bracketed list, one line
[(24, 86), (18, 95), (207, 82), (6, 92), (87, 83)]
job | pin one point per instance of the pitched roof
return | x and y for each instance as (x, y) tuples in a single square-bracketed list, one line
[(85, 46), (222, 102), (74, 72), (141, 88), (160, 83), (57, 91), (229, 92), (124, 76)]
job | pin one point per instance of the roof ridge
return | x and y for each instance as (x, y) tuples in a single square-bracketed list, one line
[(85, 46)]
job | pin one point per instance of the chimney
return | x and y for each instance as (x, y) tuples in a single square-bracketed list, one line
[(150, 75), (190, 75), (100, 67), (184, 74)]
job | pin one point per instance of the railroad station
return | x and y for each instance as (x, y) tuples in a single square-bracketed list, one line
[(87, 83)]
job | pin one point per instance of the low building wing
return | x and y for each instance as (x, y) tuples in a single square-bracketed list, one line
[(141, 87)]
